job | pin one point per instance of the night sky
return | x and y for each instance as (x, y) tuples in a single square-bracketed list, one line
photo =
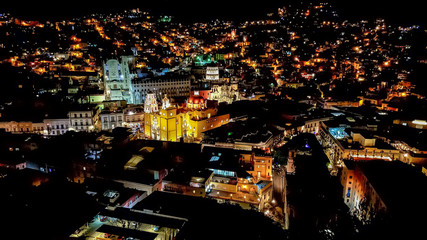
[(407, 12)]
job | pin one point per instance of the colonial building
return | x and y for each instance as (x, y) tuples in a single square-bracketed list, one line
[(146, 224), (313, 125), (173, 122), (242, 134), (367, 190), (57, 126), (194, 184), (175, 85), (117, 80), (205, 93), (22, 127), (346, 138), (225, 93), (134, 117), (46, 127), (84, 118), (246, 181), (356, 188), (262, 164), (111, 119), (212, 73)]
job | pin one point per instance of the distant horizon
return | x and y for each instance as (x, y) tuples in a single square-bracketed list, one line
[(188, 10)]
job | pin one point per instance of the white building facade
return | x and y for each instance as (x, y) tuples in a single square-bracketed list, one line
[(56, 127), (83, 120), (111, 120), (172, 86), (117, 79), (212, 74)]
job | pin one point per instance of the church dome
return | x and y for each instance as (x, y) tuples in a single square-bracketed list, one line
[(196, 102), (196, 99)]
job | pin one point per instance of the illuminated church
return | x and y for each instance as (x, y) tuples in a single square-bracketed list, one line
[(172, 122), (117, 80)]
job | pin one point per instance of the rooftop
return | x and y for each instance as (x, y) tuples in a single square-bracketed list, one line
[(127, 233), (144, 217), (262, 184), (397, 183), (251, 131)]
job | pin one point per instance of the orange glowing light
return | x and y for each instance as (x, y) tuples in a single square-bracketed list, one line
[(75, 39)]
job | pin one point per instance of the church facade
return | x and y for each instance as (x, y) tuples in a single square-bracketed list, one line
[(117, 79), (172, 122)]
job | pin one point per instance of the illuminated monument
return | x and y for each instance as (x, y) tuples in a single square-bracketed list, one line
[(173, 122), (117, 80), (225, 93), (150, 104)]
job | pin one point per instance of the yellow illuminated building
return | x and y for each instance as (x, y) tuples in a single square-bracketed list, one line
[(171, 122), (262, 166)]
